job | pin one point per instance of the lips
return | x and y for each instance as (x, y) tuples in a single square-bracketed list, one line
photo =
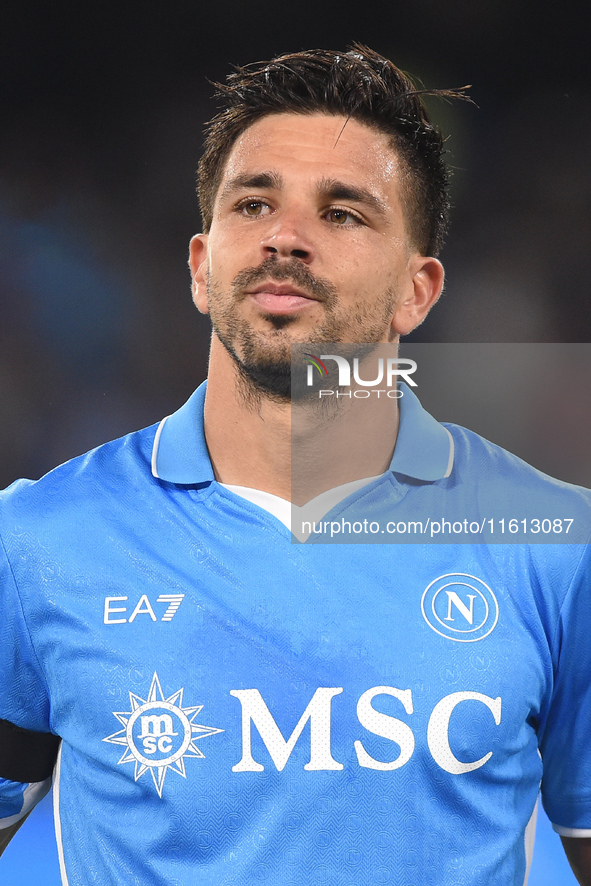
[(280, 298)]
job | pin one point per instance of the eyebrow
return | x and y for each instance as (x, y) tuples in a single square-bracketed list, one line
[(270, 179), (334, 189)]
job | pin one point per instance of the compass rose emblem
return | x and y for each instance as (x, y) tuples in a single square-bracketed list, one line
[(158, 733)]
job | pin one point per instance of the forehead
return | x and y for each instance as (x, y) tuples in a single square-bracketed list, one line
[(315, 145)]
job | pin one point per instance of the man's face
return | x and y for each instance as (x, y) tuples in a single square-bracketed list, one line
[(308, 243)]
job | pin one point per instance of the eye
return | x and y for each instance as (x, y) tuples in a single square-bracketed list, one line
[(253, 208), (342, 217)]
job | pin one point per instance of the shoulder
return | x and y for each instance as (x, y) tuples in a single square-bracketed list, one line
[(115, 470), (483, 464), (519, 505)]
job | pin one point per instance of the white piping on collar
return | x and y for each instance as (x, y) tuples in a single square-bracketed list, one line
[(452, 449), (155, 447)]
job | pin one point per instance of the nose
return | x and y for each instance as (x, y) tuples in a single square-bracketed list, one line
[(287, 238)]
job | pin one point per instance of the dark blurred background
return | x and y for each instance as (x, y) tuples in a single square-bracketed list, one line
[(103, 108)]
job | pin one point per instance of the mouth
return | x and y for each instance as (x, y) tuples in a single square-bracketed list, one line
[(280, 298)]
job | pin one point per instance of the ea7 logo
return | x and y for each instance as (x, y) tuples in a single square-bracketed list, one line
[(113, 613)]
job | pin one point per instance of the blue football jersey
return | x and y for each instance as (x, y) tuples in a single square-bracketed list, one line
[(235, 706)]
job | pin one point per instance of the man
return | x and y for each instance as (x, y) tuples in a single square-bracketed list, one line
[(234, 707)]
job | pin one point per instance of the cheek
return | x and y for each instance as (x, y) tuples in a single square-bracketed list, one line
[(220, 268), (370, 278), (368, 256), (228, 256), (200, 297)]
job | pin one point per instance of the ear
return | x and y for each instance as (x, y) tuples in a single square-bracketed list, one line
[(198, 266), (427, 276)]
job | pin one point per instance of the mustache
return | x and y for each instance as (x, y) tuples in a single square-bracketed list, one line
[(290, 269)]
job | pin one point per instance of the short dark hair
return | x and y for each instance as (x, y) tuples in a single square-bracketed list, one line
[(359, 84)]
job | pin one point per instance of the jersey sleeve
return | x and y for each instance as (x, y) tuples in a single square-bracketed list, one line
[(28, 749), (565, 743), (17, 799)]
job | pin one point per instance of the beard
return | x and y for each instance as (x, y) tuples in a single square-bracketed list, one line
[(273, 362)]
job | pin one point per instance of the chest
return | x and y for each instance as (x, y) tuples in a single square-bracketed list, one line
[(336, 656)]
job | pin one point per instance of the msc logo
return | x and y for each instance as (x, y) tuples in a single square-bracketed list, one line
[(460, 607), (159, 733)]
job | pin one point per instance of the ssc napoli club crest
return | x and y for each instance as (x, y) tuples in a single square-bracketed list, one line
[(460, 607), (159, 733)]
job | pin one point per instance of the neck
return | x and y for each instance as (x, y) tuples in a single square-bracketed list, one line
[(294, 452)]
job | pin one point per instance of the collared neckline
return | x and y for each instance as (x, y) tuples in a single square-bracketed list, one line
[(424, 448)]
